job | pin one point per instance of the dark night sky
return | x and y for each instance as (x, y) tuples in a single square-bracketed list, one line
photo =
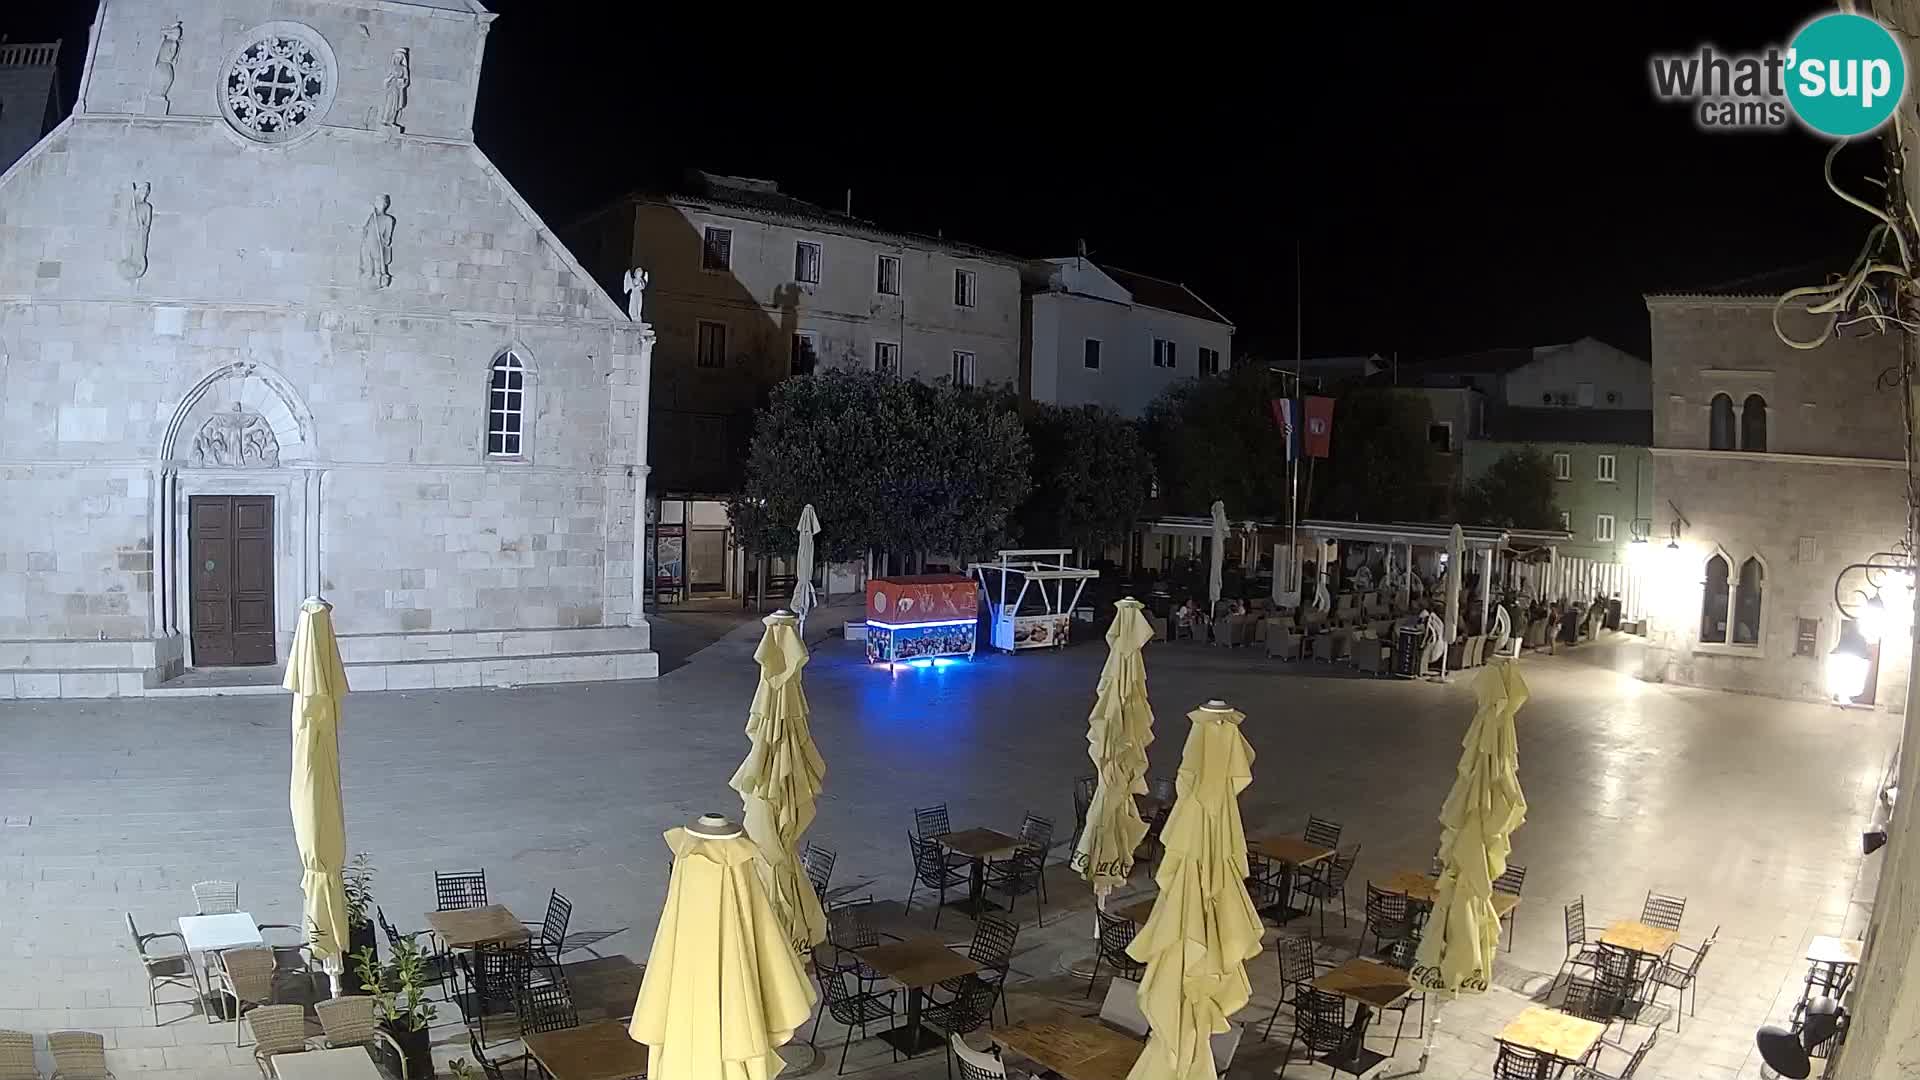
[(1461, 178)]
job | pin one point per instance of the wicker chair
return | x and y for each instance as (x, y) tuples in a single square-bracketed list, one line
[(934, 870), (247, 974), (172, 969), (277, 1029), (459, 890), (78, 1055), (350, 1021), (216, 897), (292, 952), (16, 1056), (931, 821), (1116, 933)]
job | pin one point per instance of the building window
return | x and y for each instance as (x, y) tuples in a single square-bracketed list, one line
[(711, 351), (278, 85), (1720, 423), (1566, 521), (1714, 597), (886, 357), (1583, 395), (806, 353), (1091, 354), (806, 263), (888, 281), (1563, 466), (1753, 424), (1603, 469), (962, 368), (506, 405), (1209, 361), (1603, 528), (1440, 437), (1163, 353), (963, 288), (1746, 603), (716, 250)]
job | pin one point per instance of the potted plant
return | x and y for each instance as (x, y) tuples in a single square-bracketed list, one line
[(357, 880), (399, 988)]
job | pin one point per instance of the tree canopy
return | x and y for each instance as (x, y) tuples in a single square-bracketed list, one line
[(1381, 467), (1516, 492), (1214, 438), (1091, 477)]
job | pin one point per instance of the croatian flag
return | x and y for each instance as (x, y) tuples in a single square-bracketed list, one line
[(1283, 419)]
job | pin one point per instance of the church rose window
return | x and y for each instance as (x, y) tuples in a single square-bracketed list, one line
[(279, 84)]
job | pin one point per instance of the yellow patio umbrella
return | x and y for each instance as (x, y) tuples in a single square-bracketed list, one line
[(723, 987), (781, 778), (319, 681), (1203, 928), (1476, 834), (1118, 732)]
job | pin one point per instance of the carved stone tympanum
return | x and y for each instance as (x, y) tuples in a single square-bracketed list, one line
[(236, 440)]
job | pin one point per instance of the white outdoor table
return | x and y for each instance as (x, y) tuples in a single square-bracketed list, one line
[(346, 1063), (208, 934)]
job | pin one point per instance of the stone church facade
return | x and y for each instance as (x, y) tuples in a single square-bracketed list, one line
[(271, 325)]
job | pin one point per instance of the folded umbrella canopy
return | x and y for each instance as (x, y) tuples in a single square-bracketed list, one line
[(1476, 835), (723, 987), (1118, 732), (1219, 557), (1203, 928), (780, 780), (318, 681), (803, 595)]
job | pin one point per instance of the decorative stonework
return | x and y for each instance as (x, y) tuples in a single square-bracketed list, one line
[(635, 283), (394, 96), (160, 80), (135, 231), (278, 85), (236, 440), (376, 246)]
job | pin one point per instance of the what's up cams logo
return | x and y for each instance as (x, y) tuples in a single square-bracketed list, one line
[(1843, 75)]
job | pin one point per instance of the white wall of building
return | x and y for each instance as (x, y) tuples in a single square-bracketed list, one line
[(1583, 374), (1090, 305)]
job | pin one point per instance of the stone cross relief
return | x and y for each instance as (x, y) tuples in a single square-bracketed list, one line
[(135, 231), (160, 80), (236, 440), (399, 79), (635, 283), (376, 246)]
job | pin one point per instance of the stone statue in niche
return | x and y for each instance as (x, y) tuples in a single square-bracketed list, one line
[(134, 233), (236, 440), (376, 246), (399, 78), (160, 80), (635, 283)]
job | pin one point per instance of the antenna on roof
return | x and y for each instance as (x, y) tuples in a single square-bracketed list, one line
[(849, 202), (1081, 255)]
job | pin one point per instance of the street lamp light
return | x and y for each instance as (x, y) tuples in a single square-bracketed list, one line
[(1847, 665)]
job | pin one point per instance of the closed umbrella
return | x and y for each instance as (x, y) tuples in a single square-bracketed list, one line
[(803, 595), (1118, 732), (1219, 556), (1203, 928), (1476, 834), (1456, 546), (781, 777), (318, 681), (723, 987)]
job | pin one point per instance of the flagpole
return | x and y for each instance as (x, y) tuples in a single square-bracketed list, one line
[(1293, 497)]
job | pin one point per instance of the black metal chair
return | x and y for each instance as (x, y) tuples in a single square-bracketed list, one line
[(1517, 1063), (1663, 910), (1580, 951), (1166, 791), (1017, 875), (1319, 1024), (438, 965), (1037, 832), (970, 1010), (1083, 789), (1511, 882), (850, 1009), (1263, 881), (489, 1067), (818, 863), (1589, 1072), (1401, 955), (551, 938), (460, 889), (931, 821), (1298, 969), (992, 949), (1600, 996), (543, 1001), (1321, 832), (1322, 888), (932, 869), (1681, 977), (1389, 918), (495, 977), (1116, 933)]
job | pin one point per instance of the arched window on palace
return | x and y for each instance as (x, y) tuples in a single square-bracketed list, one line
[(1753, 424), (1720, 424), (1714, 600), (506, 398), (1746, 603)]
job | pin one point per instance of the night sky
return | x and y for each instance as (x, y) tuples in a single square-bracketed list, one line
[(1456, 177)]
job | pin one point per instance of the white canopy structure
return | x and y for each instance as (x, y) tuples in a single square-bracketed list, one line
[(1033, 617)]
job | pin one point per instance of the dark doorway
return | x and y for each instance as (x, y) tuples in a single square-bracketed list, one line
[(230, 540)]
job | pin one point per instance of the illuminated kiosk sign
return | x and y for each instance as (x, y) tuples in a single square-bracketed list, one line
[(925, 617)]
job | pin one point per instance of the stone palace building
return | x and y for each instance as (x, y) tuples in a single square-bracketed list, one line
[(271, 325)]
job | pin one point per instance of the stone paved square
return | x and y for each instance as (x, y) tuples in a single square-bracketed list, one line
[(1749, 807)]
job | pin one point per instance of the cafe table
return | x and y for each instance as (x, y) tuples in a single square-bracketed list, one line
[(979, 846), (1562, 1036), (209, 934), (1648, 942), (1369, 985), (346, 1063), (1834, 960), (1139, 911), (1073, 1047), (1289, 851), (598, 1051), (1424, 887), (468, 928), (917, 964)]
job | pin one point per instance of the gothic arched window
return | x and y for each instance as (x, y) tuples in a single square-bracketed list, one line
[(506, 406), (1753, 424), (1720, 424)]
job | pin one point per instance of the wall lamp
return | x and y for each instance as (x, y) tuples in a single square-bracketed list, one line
[(1867, 595)]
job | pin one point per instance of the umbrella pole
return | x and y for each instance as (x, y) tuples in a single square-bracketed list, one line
[(1083, 968), (1426, 1052)]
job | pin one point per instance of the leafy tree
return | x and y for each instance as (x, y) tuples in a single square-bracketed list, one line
[(1214, 438), (1515, 492), (1381, 467), (1091, 477)]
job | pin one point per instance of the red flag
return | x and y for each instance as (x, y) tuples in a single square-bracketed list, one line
[(1319, 436)]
